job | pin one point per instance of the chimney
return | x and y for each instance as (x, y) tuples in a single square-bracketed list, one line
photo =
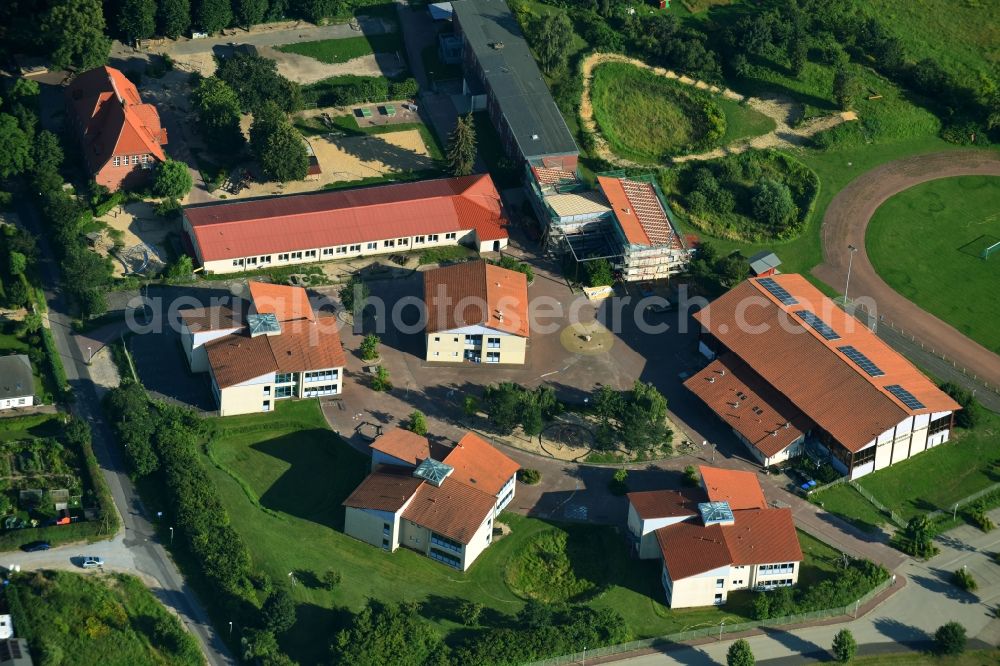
[(711, 380), (722, 372), (787, 425)]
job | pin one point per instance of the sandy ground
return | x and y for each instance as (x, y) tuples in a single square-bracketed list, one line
[(142, 228), (776, 107)]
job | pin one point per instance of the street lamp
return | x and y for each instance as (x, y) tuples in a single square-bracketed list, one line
[(584, 663), (722, 626), (850, 262), (90, 356), (171, 535), (230, 628)]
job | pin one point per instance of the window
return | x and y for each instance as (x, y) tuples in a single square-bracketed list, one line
[(419, 239), (432, 238), (864, 456), (341, 250), (117, 161), (283, 378), (355, 248), (386, 529), (283, 257), (296, 255), (450, 236), (283, 391), (385, 544), (437, 353), (389, 243), (445, 542), (252, 260), (493, 343), (720, 582), (317, 391), (372, 246), (454, 353), (21, 401), (939, 425), (267, 406), (437, 338), (441, 556), (472, 340), (492, 357), (144, 159), (267, 390), (135, 159), (718, 599), (266, 259), (310, 253), (327, 251), (456, 339), (236, 262), (404, 241), (320, 375)]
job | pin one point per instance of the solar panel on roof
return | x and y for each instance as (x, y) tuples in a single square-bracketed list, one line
[(713, 513), (263, 324), (432, 471), (904, 396), (777, 291), (817, 324), (861, 360)]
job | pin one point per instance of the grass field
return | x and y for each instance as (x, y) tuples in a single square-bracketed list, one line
[(349, 125), (847, 503), (937, 478), (112, 620), (924, 242), (282, 478), (342, 50), (742, 122), (32, 426)]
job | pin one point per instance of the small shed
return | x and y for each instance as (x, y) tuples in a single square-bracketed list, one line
[(440, 11), (764, 263)]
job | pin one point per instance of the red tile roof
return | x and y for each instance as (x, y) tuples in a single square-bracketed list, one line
[(388, 488), (403, 445), (765, 536), (113, 117), (639, 212), (211, 319), (748, 404), (286, 303), (480, 465), (740, 489), (666, 503), (341, 217), (454, 509), (809, 370), (476, 293), (302, 345)]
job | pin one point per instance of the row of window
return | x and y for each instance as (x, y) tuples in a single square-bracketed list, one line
[(492, 357), (771, 569), (476, 340), (20, 401), (783, 582), (317, 391), (440, 556), (506, 498), (119, 160), (330, 251), (285, 377), (445, 542), (321, 375)]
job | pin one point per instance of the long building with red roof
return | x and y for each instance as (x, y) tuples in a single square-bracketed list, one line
[(121, 136), (789, 370), (236, 236)]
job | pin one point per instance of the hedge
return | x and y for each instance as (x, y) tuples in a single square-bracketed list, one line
[(55, 366)]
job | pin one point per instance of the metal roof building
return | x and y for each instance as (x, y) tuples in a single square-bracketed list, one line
[(519, 103)]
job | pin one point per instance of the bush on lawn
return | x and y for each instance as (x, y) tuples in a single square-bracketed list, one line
[(917, 538), (962, 579), (844, 646), (970, 414)]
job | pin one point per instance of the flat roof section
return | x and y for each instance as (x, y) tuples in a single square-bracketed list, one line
[(496, 39)]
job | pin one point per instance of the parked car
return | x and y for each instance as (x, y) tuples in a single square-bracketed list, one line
[(36, 546), (661, 307), (91, 562)]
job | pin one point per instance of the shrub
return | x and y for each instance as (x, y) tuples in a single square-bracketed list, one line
[(470, 613), (529, 476), (619, 482), (691, 477), (964, 580), (740, 654), (354, 295), (511, 263), (844, 646), (971, 412), (950, 638), (418, 422), (331, 579), (172, 179), (381, 381), (369, 347)]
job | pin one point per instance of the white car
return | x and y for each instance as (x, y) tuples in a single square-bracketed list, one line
[(92, 562)]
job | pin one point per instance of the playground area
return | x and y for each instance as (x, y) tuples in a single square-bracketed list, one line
[(135, 238)]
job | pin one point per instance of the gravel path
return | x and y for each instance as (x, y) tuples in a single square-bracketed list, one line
[(845, 223)]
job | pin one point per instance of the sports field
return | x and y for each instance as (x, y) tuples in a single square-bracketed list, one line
[(925, 243)]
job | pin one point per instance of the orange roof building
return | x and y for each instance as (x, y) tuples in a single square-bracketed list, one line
[(268, 348), (790, 370), (715, 539), (476, 313), (442, 508), (234, 236), (121, 136)]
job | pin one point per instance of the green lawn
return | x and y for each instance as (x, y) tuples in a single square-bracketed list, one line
[(349, 48), (971, 658), (742, 122), (926, 240), (847, 503), (32, 426), (282, 477), (937, 478), (112, 620), (349, 125)]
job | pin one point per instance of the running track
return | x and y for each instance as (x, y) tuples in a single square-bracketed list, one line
[(846, 221)]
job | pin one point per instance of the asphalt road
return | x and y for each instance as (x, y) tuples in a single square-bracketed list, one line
[(138, 541)]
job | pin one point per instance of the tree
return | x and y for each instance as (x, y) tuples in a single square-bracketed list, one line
[(383, 633), (47, 157), (381, 381), (552, 36), (369, 347), (23, 89), (251, 12), (17, 263), (846, 88), (281, 153), (691, 478), (32, 323), (331, 579), (15, 147), (950, 638), (174, 17), (470, 613), (278, 611), (761, 606), (462, 147), (740, 654), (213, 15), (74, 33), (136, 20), (418, 422), (354, 295), (256, 80), (964, 580), (844, 646), (503, 405), (218, 110), (918, 538), (599, 273), (267, 118), (643, 419), (172, 179), (971, 412), (470, 405), (772, 204), (17, 294)]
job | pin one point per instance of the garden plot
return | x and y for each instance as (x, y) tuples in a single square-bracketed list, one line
[(40, 483)]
